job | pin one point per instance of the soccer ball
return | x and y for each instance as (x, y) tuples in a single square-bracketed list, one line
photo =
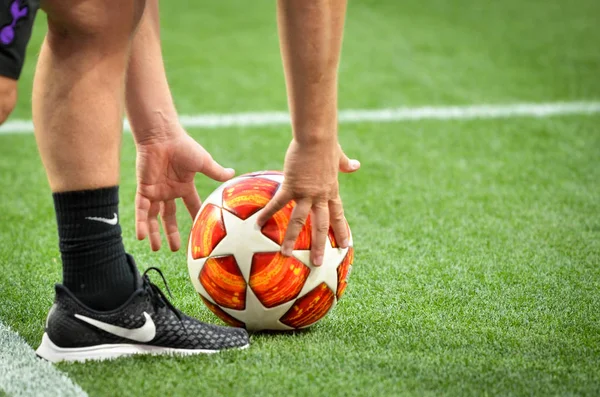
[(239, 272)]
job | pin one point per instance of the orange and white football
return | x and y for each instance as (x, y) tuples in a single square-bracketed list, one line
[(239, 272)]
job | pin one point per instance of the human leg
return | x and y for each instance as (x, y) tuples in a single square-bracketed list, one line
[(99, 312), (78, 101)]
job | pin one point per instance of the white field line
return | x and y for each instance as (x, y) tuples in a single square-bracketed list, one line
[(262, 119), (22, 374)]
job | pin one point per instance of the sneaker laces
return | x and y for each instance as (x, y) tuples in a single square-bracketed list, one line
[(157, 297)]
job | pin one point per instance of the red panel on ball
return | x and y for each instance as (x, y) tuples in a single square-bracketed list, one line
[(222, 314), (207, 232), (276, 227), (332, 238), (310, 308), (223, 281), (276, 279), (343, 272), (248, 196), (334, 242)]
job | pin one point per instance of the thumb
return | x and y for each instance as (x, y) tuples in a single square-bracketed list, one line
[(215, 171), (348, 165)]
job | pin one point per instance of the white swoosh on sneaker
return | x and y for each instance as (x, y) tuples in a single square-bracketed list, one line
[(145, 333), (112, 221)]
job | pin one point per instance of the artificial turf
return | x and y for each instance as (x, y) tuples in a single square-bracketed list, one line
[(477, 267)]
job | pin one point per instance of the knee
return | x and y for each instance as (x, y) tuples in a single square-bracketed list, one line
[(8, 97), (106, 20)]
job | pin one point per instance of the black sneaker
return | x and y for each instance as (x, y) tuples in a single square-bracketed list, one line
[(146, 324)]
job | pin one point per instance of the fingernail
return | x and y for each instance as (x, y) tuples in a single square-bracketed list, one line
[(345, 243), (318, 260), (286, 250), (354, 164), (230, 170)]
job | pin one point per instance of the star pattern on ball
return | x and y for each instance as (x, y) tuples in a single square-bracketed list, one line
[(244, 239), (257, 317), (327, 272)]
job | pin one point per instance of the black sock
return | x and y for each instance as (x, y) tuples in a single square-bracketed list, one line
[(95, 266)]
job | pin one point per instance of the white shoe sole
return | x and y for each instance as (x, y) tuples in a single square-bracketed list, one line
[(49, 351)]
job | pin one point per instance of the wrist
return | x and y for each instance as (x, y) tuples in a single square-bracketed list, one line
[(314, 117), (316, 136), (155, 128), (310, 140)]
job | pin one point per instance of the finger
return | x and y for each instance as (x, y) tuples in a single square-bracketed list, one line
[(142, 205), (153, 227), (297, 221), (168, 216), (348, 165), (216, 171), (320, 227), (279, 200), (338, 222), (192, 203)]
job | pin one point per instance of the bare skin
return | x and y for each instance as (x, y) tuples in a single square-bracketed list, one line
[(78, 114), (311, 36), (167, 157), (310, 33), (78, 90), (78, 107), (8, 97)]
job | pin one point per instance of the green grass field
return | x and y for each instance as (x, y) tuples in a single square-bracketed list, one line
[(477, 266)]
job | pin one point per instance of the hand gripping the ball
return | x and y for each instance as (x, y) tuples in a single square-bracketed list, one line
[(311, 180)]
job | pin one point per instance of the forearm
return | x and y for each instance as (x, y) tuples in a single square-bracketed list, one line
[(310, 34), (150, 108)]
